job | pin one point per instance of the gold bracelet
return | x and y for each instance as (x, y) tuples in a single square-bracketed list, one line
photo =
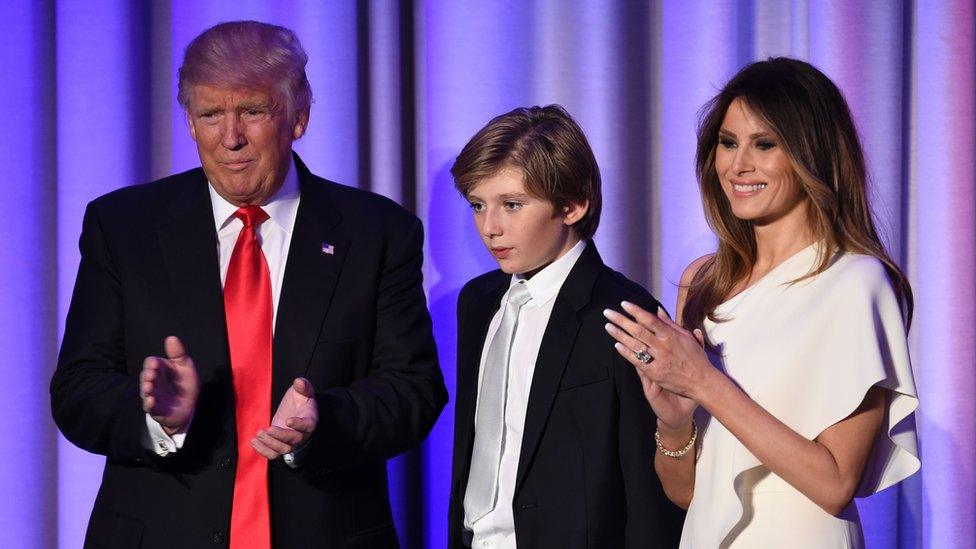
[(677, 453)]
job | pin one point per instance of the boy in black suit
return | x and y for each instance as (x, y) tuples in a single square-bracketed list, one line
[(553, 437)]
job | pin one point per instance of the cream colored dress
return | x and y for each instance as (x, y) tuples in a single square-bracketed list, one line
[(806, 352)]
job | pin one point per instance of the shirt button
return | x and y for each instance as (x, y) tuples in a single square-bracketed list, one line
[(225, 462), (217, 537)]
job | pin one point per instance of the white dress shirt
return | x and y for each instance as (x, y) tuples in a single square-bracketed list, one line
[(497, 528), (275, 237)]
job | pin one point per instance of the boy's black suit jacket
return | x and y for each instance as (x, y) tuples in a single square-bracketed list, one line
[(586, 469), (353, 320)]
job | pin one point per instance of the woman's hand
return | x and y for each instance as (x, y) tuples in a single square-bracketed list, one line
[(678, 364)]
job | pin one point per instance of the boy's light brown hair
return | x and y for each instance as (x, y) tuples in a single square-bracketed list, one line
[(550, 150)]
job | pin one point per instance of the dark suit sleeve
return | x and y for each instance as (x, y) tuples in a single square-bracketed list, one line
[(661, 528), (396, 404), (95, 402)]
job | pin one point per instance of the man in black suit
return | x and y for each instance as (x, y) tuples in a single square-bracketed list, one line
[(296, 298), (552, 436)]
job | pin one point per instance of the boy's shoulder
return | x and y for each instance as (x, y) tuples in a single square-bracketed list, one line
[(612, 287)]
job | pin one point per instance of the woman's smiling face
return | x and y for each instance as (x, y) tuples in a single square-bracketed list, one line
[(754, 169)]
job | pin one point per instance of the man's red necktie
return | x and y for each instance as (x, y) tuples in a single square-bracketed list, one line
[(247, 305)]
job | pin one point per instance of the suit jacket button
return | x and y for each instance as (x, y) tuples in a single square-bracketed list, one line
[(225, 463), (217, 537)]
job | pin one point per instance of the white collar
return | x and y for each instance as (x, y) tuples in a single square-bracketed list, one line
[(545, 284)]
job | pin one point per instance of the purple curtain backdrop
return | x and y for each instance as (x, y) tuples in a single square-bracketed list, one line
[(399, 88)]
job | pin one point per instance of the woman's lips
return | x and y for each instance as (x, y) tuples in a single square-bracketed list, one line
[(745, 190)]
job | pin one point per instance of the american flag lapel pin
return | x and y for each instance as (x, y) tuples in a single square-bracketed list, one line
[(328, 249)]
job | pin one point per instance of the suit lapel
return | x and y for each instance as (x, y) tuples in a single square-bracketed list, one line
[(474, 319), (311, 273), (191, 265), (554, 353)]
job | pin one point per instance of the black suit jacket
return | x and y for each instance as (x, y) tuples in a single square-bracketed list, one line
[(354, 322), (586, 472)]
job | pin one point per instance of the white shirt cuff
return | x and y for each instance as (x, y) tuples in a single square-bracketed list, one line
[(155, 439), (294, 459)]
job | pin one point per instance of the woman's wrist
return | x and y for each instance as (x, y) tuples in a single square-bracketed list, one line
[(675, 436), (674, 444), (713, 383)]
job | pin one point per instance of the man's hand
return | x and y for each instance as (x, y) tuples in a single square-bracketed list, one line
[(169, 387), (293, 423)]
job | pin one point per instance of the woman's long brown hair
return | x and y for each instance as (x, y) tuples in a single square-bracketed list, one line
[(813, 123)]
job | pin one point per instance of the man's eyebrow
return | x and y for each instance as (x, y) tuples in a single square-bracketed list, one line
[(246, 105)]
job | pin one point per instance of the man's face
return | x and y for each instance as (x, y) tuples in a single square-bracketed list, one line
[(524, 233), (243, 139)]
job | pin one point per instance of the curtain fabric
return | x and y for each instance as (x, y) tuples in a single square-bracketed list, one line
[(399, 88)]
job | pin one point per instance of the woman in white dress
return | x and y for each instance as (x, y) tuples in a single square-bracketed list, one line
[(784, 389)]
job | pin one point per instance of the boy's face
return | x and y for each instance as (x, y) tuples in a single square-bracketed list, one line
[(523, 232)]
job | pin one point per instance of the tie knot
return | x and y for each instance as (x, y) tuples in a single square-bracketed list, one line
[(251, 215), (519, 294)]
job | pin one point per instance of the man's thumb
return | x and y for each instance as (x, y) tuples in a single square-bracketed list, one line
[(303, 387), (174, 348)]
